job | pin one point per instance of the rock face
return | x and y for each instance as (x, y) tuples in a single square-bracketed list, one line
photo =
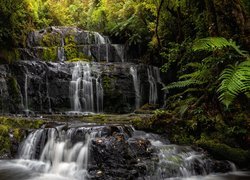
[(44, 87), (68, 43), (84, 151), (65, 69)]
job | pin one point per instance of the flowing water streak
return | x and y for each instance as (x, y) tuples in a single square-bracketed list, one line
[(61, 51), (99, 94), (86, 92), (75, 86), (99, 40), (26, 106), (120, 50), (136, 81), (154, 79), (58, 157)]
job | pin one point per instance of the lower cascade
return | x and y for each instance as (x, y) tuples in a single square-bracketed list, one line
[(89, 151)]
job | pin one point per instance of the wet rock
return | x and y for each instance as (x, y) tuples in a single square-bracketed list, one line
[(117, 157)]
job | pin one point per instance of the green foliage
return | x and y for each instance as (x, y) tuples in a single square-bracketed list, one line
[(183, 84), (235, 80), (216, 43)]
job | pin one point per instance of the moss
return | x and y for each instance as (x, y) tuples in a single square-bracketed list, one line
[(4, 130), (9, 56), (51, 39), (142, 123), (106, 80), (69, 39), (49, 54), (17, 54), (71, 51), (16, 127), (14, 91), (222, 151), (13, 85), (77, 59)]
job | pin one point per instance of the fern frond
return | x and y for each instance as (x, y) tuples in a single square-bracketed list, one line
[(182, 84), (234, 81), (215, 43), (194, 64)]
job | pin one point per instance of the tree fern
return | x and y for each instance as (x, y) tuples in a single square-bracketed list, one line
[(216, 43), (234, 81), (183, 84)]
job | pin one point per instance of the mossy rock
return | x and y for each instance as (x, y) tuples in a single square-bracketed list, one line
[(16, 127), (78, 59), (224, 152), (71, 51), (51, 39), (142, 123), (49, 54), (69, 39), (9, 56)]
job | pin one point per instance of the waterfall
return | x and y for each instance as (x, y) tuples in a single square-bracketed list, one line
[(120, 50), (26, 106), (86, 92), (100, 40), (89, 151), (47, 95), (154, 79), (58, 157), (136, 81), (61, 52)]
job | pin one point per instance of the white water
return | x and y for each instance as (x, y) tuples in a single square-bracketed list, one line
[(26, 106), (55, 154), (136, 81), (59, 158), (86, 92), (120, 50), (100, 40), (154, 79), (61, 52)]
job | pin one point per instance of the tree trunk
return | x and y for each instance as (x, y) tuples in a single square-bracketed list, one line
[(157, 23)]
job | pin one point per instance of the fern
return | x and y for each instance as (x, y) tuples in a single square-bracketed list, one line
[(234, 81), (216, 43), (182, 84)]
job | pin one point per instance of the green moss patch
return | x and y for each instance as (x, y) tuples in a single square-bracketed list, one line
[(51, 39), (13, 130), (222, 151), (49, 54)]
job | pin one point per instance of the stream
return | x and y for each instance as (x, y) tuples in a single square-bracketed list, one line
[(90, 151)]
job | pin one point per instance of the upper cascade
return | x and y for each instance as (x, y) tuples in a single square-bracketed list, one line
[(68, 44)]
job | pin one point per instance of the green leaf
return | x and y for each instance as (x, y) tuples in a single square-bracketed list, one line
[(215, 43), (234, 81)]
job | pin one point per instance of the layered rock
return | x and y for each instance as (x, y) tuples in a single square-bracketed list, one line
[(44, 87), (70, 43)]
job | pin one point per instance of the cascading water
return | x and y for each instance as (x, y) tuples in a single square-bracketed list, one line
[(153, 78), (61, 52), (88, 151), (26, 102), (58, 157), (120, 49), (100, 40), (136, 81), (86, 92)]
